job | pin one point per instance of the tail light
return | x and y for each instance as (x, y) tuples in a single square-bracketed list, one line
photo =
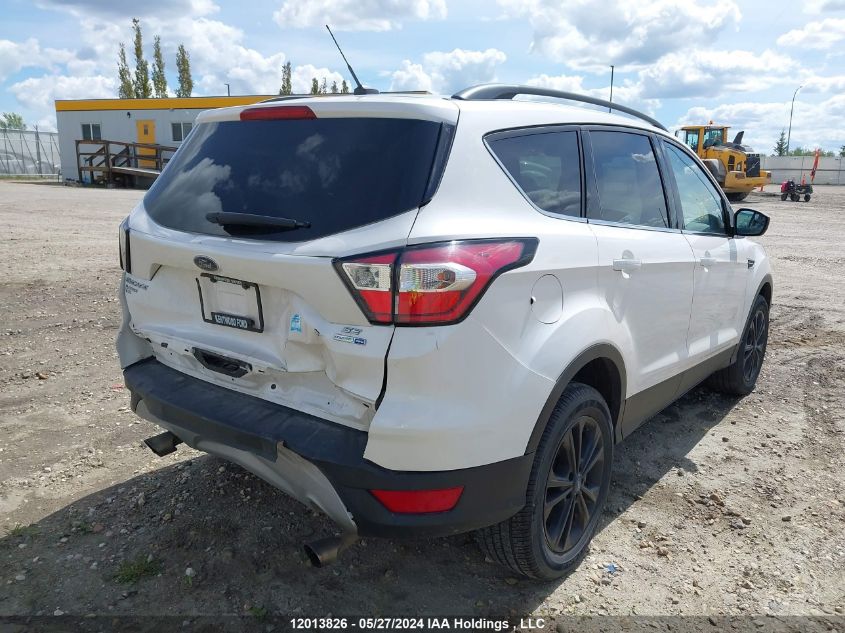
[(370, 281), (123, 246), (276, 113), (432, 284)]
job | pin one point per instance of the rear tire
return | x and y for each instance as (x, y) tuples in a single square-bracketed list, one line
[(737, 197), (783, 196), (740, 378), (566, 491), (806, 197), (795, 197)]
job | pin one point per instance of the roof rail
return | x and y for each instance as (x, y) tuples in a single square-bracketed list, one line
[(509, 91)]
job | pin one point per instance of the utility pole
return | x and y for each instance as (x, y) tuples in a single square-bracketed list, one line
[(611, 85), (792, 107), (228, 91)]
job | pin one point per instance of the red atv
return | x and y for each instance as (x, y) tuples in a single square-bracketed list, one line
[(788, 189)]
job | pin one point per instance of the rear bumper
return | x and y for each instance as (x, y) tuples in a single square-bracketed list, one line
[(738, 182), (319, 462)]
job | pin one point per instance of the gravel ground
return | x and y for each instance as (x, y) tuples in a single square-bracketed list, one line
[(718, 506)]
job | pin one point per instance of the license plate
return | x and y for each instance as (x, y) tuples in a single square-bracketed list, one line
[(230, 302), (230, 320)]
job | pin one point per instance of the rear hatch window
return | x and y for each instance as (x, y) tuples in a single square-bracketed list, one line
[(334, 173)]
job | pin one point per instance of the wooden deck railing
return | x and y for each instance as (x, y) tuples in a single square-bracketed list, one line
[(120, 157)]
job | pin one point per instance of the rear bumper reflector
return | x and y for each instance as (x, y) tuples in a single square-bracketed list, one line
[(419, 501)]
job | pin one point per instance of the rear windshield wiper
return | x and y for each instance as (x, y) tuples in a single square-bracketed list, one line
[(247, 220)]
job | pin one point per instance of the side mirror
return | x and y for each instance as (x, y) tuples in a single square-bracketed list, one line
[(750, 223)]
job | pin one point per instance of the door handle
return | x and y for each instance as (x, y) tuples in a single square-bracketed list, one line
[(707, 261), (626, 264)]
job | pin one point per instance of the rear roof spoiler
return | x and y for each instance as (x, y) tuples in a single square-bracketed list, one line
[(487, 92), (344, 94)]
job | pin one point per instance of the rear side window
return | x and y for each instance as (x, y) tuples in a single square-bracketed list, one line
[(629, 185), (337, 174), (546, 167)]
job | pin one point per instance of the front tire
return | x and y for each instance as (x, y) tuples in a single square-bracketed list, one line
[(737, 196), (566, 491), (740, 378), (783, 196)]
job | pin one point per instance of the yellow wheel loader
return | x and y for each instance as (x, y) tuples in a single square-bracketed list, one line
[(735, 166)]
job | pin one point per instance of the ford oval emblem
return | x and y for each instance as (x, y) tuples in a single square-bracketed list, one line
[(206, 263)]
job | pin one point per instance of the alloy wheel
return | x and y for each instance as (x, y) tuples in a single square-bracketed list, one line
[(755, 346), (573, 486)]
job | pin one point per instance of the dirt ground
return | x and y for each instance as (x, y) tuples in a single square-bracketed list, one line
[(718, 506)]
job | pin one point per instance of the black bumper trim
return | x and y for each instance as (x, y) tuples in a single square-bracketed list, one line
[(492, 493), (239, 420)]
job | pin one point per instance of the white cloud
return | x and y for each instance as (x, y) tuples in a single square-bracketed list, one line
[(624, 93), (411, 76), (820, 35), (219, 57), (301, 77), (627, 34), (813, 124), (569, 83), (834, 83), (37, 94), (15, 56), (119, 10), (709, 73), (217, 50), (822, 6), (448, 72), (357, 15)]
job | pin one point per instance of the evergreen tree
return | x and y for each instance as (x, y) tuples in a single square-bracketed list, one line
[(324, 87), (315, 86), (780, 146), (183, 67), (142, 87), (125, 89), (287, 86), (159, 80), (842, 151), (334, 87), (344, 88)]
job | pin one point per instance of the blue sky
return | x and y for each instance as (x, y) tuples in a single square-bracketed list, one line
[(731, 61)]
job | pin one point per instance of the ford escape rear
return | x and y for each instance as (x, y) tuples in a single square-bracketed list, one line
[(427, 315)]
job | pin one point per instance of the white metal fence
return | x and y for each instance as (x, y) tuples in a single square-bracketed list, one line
[(831, 170), (29, 153)]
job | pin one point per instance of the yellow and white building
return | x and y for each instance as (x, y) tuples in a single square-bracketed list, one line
[(159, 121)]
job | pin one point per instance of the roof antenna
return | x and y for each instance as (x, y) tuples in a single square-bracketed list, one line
[(359, 89)]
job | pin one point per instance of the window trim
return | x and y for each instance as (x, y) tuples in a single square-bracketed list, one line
[(533, 131), (91, 132), (667, 198), (727, 216), (687, 134), (181, 125)]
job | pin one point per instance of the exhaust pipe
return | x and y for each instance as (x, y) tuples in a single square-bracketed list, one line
[(163, 444), (325, 551)]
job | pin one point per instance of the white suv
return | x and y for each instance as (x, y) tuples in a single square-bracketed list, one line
[(427, 315)]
